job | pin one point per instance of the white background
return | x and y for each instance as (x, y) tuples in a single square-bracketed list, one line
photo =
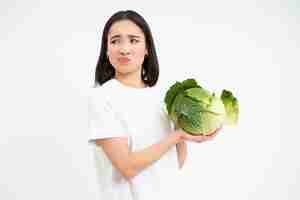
[(48, 56)]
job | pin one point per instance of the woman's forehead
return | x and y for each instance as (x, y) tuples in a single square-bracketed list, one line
[(125, 28)]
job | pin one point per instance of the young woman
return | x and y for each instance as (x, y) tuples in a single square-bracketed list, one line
[(137, 150)]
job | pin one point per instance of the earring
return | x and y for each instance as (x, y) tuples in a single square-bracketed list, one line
[(143, 71)]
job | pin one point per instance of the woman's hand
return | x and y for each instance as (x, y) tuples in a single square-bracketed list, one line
[(199, 138)]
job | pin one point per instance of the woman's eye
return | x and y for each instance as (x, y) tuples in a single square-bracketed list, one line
[(114, 41), (134, 41)]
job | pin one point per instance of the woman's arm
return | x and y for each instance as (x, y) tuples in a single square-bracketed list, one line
[(181, 148), (131, 163)]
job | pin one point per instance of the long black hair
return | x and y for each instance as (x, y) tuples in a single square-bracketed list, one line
[(150, 67)]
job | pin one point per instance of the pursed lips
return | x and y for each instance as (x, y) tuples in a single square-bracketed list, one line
[(123, 59)]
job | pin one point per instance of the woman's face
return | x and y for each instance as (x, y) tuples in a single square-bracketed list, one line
[(126, 47)]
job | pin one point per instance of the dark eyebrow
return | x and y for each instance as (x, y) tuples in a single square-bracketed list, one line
[(130, 36)]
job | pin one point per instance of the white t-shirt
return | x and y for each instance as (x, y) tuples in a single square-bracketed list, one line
[(117, 110)]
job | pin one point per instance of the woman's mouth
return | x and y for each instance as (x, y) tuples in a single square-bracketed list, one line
[(124, 60)]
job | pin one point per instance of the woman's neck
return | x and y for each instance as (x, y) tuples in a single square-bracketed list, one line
[(131, 81)]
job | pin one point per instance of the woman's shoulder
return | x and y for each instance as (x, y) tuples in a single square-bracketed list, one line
[(102, 90), (161, 89), (97, 94)]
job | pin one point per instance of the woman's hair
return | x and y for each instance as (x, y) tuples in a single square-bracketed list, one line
[(150, 67)]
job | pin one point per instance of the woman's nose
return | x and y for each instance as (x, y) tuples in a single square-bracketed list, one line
[(124, 52), (124, 49)]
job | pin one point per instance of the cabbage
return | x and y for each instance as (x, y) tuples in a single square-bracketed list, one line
[(198, 111)]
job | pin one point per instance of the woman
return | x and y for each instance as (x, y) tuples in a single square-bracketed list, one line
[(137, 150)]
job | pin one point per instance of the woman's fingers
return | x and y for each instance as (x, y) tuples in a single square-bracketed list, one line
[(214, 133), (201, 137), (205, 137), (193, 138)]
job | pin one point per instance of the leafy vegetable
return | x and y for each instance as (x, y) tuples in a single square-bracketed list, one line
[(198, 111), (231, 107)]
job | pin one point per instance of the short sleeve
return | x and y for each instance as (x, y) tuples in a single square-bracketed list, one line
[(103, 120)]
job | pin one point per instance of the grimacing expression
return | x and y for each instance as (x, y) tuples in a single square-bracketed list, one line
[(126, 47)]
